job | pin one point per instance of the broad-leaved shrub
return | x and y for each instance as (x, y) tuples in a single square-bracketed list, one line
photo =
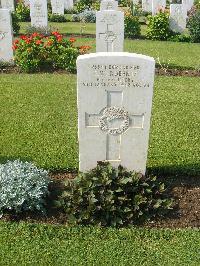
[(112, 197), (158, 27), (38, 52), (194, 24)]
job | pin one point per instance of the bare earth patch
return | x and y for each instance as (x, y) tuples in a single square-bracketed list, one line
[(186, 213)]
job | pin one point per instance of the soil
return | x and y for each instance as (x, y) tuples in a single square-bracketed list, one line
[(186, 212)]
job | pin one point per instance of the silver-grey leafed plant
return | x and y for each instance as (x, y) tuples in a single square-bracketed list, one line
[(22, 187)]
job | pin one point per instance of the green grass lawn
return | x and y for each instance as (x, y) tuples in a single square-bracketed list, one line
[(39, 122), (30, 244), (171, 54)]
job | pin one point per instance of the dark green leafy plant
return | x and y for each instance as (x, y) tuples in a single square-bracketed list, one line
[(132, 26), (15, 23), (194, 25), (57, 18), (112, 197), (158, 27), (22, 12)]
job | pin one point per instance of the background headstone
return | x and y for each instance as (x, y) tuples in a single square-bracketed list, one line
[(135, 2), (109, 31), (6, 36), (27, 2), (114, 108), (8, 4), (158, 5), (147, 5), (68, 4), (108, 5), (188, 4), (57, 7), (178, 16), (39, 15)]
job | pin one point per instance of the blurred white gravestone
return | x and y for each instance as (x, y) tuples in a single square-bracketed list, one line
[(8, 4), (57, 7), (108, 5), (188, 4), (109, 31), (147, 5), (135, 2), (68, 4), (178, 17), (114, 109), (27, 2), (158, 5), (6, 36), (39, 14)]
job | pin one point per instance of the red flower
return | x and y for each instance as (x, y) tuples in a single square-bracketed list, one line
[(59, 38), (14, 47), (55, 33), (16, 41), (38, 42), (35, 34), (23, 37)]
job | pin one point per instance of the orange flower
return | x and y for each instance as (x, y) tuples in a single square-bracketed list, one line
[(49, 43), (27, 41), (72, 40)]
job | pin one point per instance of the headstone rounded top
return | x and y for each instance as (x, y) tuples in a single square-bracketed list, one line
[(117, 54)]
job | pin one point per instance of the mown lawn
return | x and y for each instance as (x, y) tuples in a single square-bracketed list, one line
[(31, 244), (38, 117), (169, 54)]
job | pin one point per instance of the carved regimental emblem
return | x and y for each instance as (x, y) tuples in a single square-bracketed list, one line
[(114, 113)]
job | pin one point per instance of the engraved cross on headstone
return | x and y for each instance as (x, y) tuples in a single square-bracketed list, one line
[(113, 141), (109, 37)]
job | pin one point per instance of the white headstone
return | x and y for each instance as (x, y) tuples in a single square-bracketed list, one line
[(108, 5), (188, 4), (6, 37), (109, 31), (39, 15), (135, 2), (69, 4), (147, 5), (178, 16), (114, 108), (57, 7), (158, 5), (27, 2), (8, 4)]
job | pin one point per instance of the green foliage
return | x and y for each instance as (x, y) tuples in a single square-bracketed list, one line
[(22, 11), (112, 197), (194, 25), (15, 23), (37, 52), (57, 18), (132, 26), (180, 38), (22, 187), (158, 27), (87, 4)]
